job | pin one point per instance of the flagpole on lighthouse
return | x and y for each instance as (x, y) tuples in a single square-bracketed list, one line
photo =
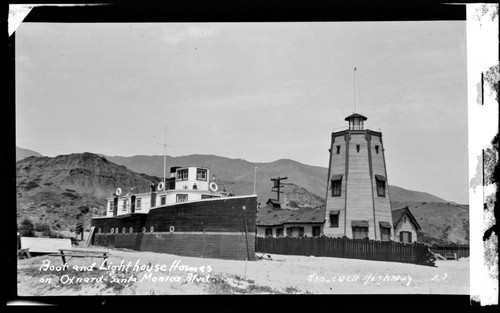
[(355, 91)]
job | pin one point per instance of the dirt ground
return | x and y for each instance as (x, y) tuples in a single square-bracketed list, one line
[(148, 273)]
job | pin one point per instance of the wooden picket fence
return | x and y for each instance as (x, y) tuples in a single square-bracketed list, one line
[(343, 247), (461, 251)]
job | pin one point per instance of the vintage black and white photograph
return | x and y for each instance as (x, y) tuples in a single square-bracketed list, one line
[(210, 158)]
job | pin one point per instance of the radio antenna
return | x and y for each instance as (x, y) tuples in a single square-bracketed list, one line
[(355, 91)]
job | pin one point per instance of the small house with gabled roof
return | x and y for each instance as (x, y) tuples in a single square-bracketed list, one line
[(292, 223), (406, 226)]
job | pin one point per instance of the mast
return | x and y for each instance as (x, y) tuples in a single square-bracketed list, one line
[(355, 91), (165, 157)]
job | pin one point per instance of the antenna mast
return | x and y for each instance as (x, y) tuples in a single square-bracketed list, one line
[(355, 91), (165, 156)]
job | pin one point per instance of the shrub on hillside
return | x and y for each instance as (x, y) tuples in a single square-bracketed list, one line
[(26, 229), (44, 228), (83, 209)]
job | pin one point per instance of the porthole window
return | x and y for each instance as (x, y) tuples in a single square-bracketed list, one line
[(144, 229), (130, 230), (151, 229)]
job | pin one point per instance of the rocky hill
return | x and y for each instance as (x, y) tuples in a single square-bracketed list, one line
[(67, 189)]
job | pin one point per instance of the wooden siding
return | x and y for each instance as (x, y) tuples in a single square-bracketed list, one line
[(359, 191), (337, 166), (382, 204), (359, 199), (232, 246)]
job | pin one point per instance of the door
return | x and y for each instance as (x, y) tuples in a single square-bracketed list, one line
[(132, 204), (115, 206)]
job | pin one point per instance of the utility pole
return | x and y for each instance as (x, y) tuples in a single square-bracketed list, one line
[(277, 184), (255, 180)]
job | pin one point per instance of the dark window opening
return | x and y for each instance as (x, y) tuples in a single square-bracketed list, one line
[(338, 149), (163, 200), (380, 187), (279, 232), (336, 188), (385, 234), (316, 231), (268, 232), (376, 149), (295, 231), (357, 148), (359, 232), (334, 220), (405, 236)]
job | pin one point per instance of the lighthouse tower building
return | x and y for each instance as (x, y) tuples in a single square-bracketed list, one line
[(358, 203)]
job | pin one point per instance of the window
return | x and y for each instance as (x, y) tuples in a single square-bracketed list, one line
[(336, 185), (181, 198), (385, 231), (376, 149), (138, 203), (209, 197), (404, 219), (295, 231), (268, 232), (380, 185), (201, 174), (316, 231), (338, 149), (124, 205), (182, 174), (405, 236), (334, 218), (359, 232), (279, 232), (357, 148), (163, 200), (111, 206)]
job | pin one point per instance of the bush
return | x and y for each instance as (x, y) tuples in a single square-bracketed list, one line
[(26, 229), (44, 228), (83, 209)]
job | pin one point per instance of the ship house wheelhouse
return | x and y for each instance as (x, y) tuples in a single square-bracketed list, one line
[(184, 184)]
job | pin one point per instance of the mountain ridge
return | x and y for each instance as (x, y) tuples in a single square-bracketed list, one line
[(68, 189)]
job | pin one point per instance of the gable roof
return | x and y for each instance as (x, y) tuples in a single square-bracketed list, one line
[(397, 215), (280, 217)]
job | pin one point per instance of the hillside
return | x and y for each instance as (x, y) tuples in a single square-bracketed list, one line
[(66, 189), (239, 174), (22, 153), (440, 222)]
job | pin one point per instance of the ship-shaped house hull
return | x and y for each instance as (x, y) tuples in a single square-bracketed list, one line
[(185, 215)]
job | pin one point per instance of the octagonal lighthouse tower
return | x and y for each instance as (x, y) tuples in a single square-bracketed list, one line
[(358, 204)]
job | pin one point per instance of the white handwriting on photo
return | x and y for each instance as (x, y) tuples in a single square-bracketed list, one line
[(153, 273), (370, 278)]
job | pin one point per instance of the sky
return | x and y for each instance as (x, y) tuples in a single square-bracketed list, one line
[(255, 91)]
